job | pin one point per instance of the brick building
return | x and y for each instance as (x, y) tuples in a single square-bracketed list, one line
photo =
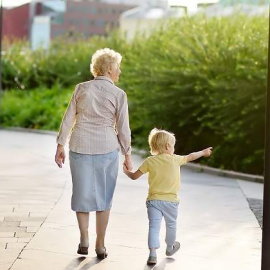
[(16, 21), (84, 17), (88, 18)]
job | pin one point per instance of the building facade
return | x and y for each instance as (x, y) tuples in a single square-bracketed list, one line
[(16, 21), (77, 17), (88, 18)]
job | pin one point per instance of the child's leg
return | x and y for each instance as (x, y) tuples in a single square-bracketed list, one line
[(154, 217), (170, 213)]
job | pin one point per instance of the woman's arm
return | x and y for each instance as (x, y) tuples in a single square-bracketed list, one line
[(65, 128), (123, 130), (68, 120)]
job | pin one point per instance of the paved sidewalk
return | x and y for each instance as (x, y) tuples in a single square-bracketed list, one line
[(38, 230)]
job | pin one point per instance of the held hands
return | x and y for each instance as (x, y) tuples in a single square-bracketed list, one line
[(130, 174), (207, 152), (125, 170), (127, 163), (60, 156)]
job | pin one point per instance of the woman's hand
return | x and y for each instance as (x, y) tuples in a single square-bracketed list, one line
[(60, 155), (128, 163), (125, 170)]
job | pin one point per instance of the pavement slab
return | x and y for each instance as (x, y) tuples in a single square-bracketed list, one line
[(216, 227)]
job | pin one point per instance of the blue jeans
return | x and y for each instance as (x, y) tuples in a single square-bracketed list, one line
[(157, 209)]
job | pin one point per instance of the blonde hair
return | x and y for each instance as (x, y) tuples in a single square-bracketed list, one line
[(102, 60), (158, 139)]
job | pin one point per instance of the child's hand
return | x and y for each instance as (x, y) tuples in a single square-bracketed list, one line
[(207, 152), (130, 174)]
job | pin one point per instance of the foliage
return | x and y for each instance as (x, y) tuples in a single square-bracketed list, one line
[(66, 63), (206, 83), (202, 78), (41, 108)]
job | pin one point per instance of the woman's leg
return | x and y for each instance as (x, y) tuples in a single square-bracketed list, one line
[(102, 218), (83, 222)]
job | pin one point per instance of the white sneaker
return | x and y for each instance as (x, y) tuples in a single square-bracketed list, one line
[(176, 247)]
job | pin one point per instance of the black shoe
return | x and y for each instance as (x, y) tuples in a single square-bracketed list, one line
[(82, 250), (101, 253), (151, 260)]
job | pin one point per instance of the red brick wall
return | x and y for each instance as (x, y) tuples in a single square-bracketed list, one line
[(16, 21)]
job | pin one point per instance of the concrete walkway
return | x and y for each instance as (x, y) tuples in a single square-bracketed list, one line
[(217, 229)]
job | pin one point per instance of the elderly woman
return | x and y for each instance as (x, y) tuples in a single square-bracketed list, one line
[(97, 118)]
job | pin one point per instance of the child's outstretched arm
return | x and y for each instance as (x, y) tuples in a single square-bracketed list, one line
[(204, 153), (132, 175)]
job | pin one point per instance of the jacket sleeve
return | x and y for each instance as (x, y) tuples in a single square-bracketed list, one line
[(68, 120), (122, 125)]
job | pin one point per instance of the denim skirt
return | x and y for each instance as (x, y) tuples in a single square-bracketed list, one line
[(94, 179)]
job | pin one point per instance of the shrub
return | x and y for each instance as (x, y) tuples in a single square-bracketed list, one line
[(206, 83), (41, 108), (202, 78)]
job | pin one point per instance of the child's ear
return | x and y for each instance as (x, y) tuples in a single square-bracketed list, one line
[(167, 146)]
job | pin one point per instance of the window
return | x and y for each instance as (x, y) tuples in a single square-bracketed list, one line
[(100, 23)]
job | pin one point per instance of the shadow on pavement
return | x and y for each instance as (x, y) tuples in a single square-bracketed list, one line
[(82, 263), (161, 265)]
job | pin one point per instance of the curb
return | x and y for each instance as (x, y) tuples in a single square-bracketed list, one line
[(224, 173), (29, 130), (195, 167)]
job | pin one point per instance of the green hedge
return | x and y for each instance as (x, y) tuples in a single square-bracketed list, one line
[(65, 64), (203, 79), (41, 108)]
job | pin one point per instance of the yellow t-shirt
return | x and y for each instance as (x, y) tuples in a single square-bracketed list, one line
[(164, 176)]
